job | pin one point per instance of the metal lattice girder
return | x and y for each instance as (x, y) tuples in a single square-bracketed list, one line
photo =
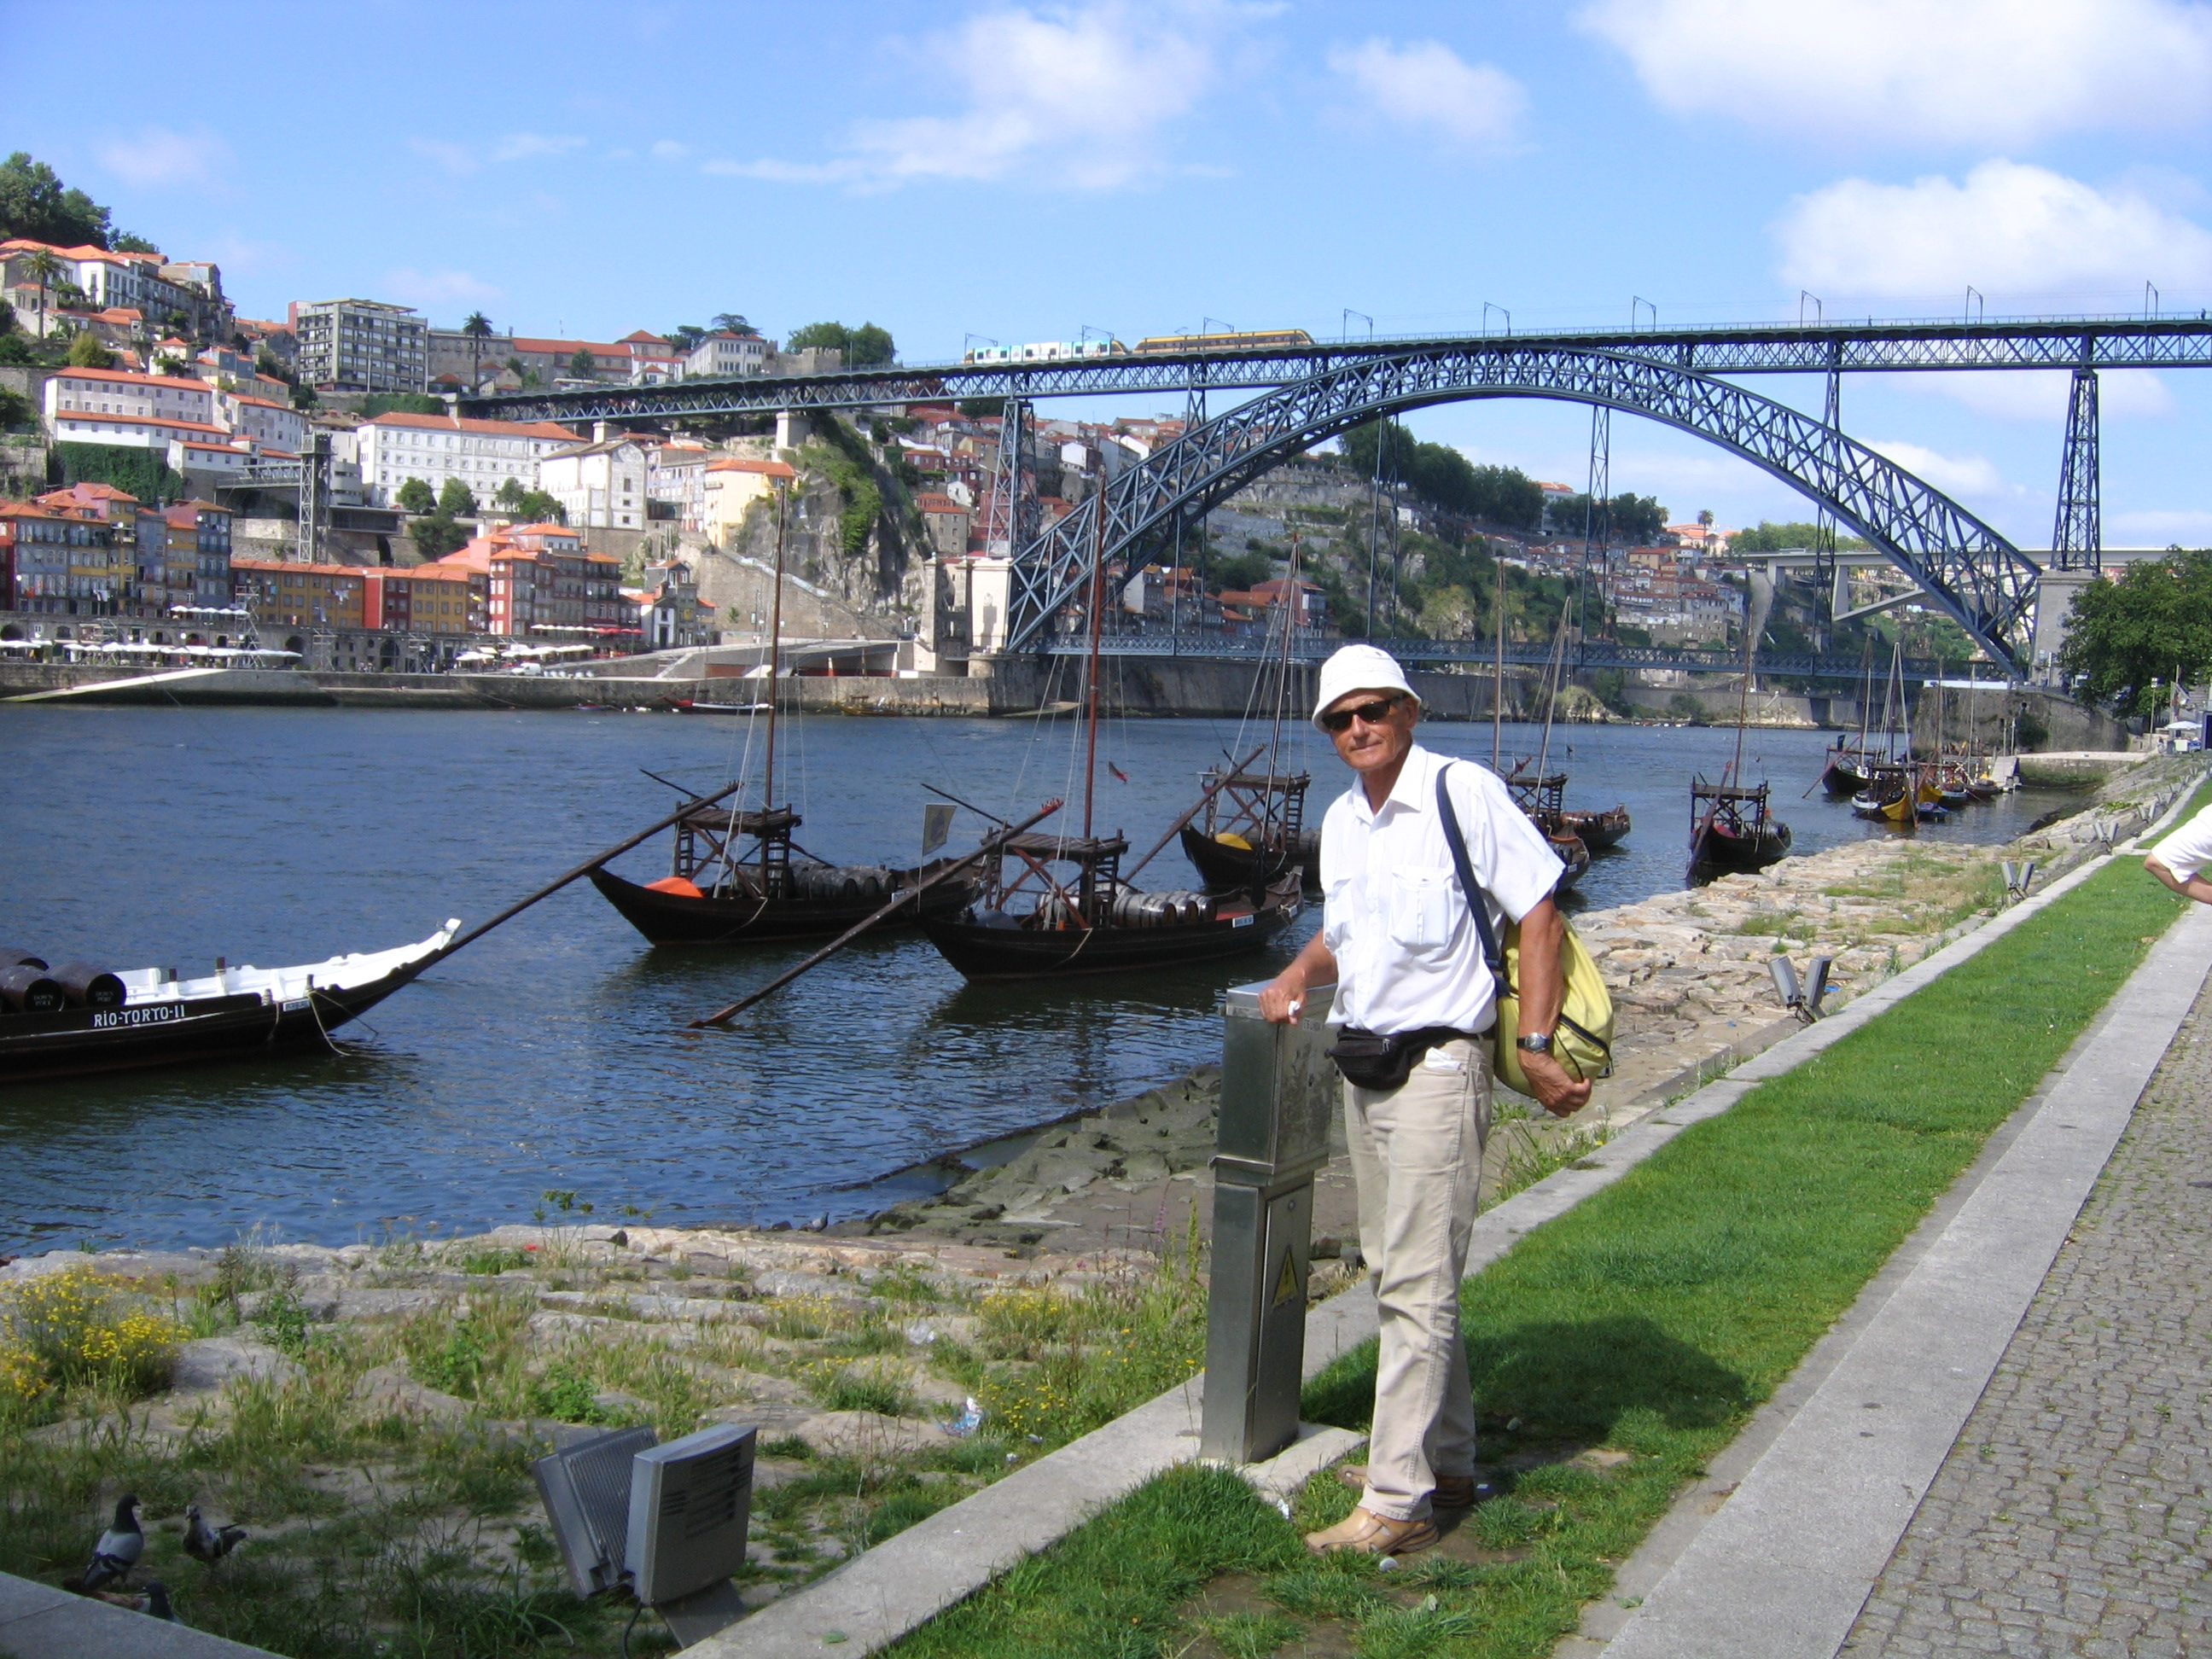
[(1753, 349), (2078, 537), (1970, 571)]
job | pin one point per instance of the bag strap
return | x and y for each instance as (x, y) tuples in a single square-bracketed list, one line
[(1477, 900)]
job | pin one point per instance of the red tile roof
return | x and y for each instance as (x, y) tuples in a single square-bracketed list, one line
[(125, 376), (739, 464), (462, 423)]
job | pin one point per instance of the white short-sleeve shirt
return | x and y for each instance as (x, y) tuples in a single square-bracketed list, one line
[(2188, 849), (1409, 955)]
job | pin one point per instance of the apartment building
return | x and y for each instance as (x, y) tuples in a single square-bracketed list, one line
[(266, 423), (483, 454), (429, 598), (466, 357), (600, 485), (65, 560), (166, 294), (733, 483), (198, 539), (542, 582), (287, 593), (723, 356), (361, 346), (117, 392), (676, 482)]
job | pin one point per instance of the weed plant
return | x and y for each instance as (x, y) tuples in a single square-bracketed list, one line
[(1646, 1324)]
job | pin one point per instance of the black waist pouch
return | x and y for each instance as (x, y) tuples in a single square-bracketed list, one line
[(1370, 1059)]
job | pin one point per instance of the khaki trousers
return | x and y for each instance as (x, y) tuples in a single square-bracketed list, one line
[(1417, 1159)]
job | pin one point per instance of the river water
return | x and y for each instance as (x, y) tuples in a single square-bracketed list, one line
[(553, 1054)]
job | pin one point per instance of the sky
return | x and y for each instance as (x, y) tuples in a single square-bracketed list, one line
[(1021, 172)]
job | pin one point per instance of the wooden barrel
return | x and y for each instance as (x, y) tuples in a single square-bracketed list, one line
[(27, 990), (88, 985)]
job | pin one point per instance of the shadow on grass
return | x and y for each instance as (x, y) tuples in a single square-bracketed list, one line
[(1580, 1378)]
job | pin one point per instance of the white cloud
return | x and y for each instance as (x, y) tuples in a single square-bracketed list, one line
[(2041, 394), (158, 156), (2011, 230), (1998, 72), (2152, 528), (1954, 475), (529, 146), (442, 287), (1424, 84), (1082, 90)]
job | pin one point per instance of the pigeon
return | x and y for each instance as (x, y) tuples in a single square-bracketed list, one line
[(208, 1544), (157, 1600), (118, 1548)]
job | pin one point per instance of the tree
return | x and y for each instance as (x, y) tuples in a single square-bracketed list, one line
[(1634, 519), (1440, 475), (414, 497), (2152, 622), (536, 507), (17, 412), (477, 327), (865, 347), (7, 318), (86, 351), (436, 536), (686, 336), (36, 206), (583, 365), (43, 269), (1770, 537), (456, 500), (732, 322), (400, 402)]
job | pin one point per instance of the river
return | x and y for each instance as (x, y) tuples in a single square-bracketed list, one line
[(553, 1056)]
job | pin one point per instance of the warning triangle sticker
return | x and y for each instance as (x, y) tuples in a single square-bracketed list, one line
[(1286, 1282)]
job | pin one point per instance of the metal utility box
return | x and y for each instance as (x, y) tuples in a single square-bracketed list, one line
[(1279, 1095), (690, 1503), (587, 1488)]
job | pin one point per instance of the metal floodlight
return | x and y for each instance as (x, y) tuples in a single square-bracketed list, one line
[(587, 1488), (1785, 981), (691, 1505), (1816, 984)]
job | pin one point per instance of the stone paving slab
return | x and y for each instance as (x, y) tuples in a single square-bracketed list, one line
[(1784, 1567), (38, 1621), (2072, 1515)]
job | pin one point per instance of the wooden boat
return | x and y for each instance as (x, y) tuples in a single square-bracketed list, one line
[(1030, 921), (1731, 827), (1541, 798), (150, 1016), (693, 706), (717, 893), (1600, 831), (1848, 770), (1252, 831)]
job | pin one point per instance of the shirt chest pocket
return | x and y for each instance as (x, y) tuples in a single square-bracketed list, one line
[(1423, 908)]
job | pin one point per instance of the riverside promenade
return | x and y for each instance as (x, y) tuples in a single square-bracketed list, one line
[(2002, 1447)]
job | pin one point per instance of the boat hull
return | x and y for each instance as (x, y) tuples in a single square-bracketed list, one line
[(81, 1041), (1715, 845), (1599, 830), (1227, 869), (991, 948), (679, 919)]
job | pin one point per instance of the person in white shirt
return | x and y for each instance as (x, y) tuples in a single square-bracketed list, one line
[(1400, 943), (2181, 854)]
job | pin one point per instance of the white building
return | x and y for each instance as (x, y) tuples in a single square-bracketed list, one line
[(361, 346), (601, 485), (483, 454), (270, 424), (675, 481), (118, 391), (723, 356)]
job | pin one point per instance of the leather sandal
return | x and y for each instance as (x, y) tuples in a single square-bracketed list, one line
[(1363, 1534), (1452, 1492)]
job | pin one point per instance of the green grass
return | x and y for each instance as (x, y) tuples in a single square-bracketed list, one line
[(1652, 1320)]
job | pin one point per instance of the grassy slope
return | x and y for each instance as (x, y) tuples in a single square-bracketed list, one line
[(1652, 1320)]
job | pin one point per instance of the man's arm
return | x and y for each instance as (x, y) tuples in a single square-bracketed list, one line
[(1283, 995), (1542, 988), (2195, 888)]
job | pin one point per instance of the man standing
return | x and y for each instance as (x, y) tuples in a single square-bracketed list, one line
[(2182, 855), (1399, 942)]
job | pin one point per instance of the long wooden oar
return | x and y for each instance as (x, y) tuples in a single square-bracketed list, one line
[(1226, 779), (724, 1016), (584, 869)]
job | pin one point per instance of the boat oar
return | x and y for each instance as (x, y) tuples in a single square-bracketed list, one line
[(724, 1016), (583, 870), (1130, 875)]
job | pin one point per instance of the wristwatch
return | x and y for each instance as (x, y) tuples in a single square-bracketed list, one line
[(1534, 1045)]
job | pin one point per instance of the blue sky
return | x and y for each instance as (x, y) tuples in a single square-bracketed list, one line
[(1020, 172)]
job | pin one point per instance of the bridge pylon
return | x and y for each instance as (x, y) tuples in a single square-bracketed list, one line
[(2077, 536)]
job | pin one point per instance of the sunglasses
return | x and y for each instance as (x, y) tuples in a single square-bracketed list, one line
[(1340, 719)]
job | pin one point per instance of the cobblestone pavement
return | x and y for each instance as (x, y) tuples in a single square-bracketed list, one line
[(2073, 1516)]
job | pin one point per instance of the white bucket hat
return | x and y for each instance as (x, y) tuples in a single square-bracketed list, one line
[(1359, 668)]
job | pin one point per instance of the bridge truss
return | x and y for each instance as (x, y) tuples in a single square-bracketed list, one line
[(1973, 574)]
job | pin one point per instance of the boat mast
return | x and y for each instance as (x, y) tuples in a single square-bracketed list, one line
[(1743, 701), (1551, 675), (774, 667), (1278, 805), (1090, 712), (1498, 674)]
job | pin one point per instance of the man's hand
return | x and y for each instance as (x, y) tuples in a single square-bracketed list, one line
[(1556, 1093), (1282, 997), (2195, 888)]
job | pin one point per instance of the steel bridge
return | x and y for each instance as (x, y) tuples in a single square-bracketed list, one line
[(1313, 392)]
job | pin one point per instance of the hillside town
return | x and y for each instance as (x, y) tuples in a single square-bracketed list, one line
[(153, 503)]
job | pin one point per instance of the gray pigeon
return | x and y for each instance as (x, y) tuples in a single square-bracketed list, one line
[(118, 1548), (157, 1602), (206, 1543)]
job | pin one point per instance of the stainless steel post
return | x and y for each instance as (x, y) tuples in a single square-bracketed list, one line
[(1279, 1095)]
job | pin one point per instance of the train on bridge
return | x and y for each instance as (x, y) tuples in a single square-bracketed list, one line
[(1068, 351)]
